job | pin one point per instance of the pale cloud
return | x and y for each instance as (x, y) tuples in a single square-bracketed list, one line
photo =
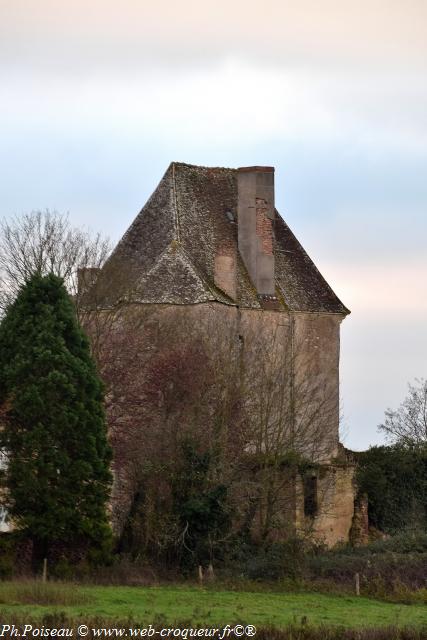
[(390, 286), (84, 35), (222, 101), (227, 102)]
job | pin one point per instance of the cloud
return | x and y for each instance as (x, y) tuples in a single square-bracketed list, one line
[(105, 33), (226, 70), (393, 286), (230, 101)]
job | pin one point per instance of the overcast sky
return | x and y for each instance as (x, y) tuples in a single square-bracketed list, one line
[(96, 98)]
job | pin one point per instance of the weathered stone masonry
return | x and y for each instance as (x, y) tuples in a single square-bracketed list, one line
[(210, 241)]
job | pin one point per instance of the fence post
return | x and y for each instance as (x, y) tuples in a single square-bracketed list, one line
[(357, 581), (44, 576)]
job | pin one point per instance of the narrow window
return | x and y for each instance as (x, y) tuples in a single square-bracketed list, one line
[(310, 496)]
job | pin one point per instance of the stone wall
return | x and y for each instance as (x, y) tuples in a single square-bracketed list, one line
[(286, 368), (333, 516), (359, 533), (316, 346)]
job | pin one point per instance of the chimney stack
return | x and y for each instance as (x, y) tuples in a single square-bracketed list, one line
[(255, 216)]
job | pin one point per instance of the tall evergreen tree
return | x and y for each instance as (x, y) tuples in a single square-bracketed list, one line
[(53, 426)]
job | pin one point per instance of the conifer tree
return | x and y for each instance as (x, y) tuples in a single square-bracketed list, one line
[(53, 428)]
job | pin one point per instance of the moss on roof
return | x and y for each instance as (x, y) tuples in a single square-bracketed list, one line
[(168, 252)]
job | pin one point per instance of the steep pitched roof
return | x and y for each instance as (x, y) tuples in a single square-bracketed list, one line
[(168, 253)]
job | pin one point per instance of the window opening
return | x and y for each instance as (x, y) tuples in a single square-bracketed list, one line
[(310, 496)]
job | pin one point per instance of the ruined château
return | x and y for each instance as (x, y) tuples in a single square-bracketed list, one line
[(210, 253)]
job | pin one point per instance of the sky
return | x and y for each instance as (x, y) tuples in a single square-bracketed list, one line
[(97, 98)]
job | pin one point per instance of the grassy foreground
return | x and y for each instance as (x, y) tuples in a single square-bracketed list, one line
[(204, 607)]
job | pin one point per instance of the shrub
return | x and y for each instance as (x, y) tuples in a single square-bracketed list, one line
[(268, 561), (200, 506), (7, 556), (380, 574), (395, 480)]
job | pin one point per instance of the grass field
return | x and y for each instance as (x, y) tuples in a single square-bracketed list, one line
[(197, 606)]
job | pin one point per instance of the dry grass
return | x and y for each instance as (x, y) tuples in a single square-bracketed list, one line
[(35, 592)]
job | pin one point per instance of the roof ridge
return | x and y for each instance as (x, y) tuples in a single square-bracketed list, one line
[(187, 165), (175, 204)]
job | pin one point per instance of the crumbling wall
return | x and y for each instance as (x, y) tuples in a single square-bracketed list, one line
[(359, 533), (332, 521)]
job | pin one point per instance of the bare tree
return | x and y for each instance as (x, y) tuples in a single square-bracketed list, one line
[(407, 425), (291, 430), (249, 396), (169, 379), (45, 242)]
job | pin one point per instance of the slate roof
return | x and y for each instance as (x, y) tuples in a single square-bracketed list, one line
[(167, 255)]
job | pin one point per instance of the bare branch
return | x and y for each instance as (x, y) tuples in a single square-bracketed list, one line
[(45, 242), (408, 424)]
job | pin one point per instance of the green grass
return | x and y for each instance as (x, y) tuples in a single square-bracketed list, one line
[(204, 607)]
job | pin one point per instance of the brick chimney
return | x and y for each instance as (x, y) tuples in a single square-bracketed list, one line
[(255, 215)]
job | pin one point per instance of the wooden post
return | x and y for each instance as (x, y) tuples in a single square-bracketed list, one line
[(357, 581), (200, 574), (210, 572), (44, 576)]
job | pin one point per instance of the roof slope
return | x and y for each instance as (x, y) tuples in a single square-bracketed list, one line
[(168, 253), (300, 282)]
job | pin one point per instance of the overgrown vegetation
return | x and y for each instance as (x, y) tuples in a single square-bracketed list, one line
[(395, 481), (394, 569), (36, 592), (385, 573), (201, 507)]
